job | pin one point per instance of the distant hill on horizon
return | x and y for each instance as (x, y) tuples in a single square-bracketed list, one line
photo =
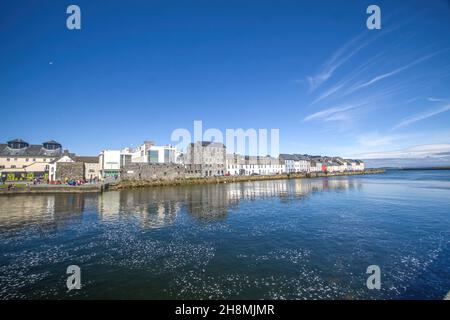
[(405, 163)]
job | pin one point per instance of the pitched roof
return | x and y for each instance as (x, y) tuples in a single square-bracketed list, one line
[(86, 159), (51, 142), (207, 143), (294, 157), (285, 156), (34, 150), (17, 141)]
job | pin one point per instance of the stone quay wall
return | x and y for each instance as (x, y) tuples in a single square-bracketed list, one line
[(157, 171), (69, 170)]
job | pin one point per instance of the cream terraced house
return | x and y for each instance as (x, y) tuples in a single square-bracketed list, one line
[(20, 160)]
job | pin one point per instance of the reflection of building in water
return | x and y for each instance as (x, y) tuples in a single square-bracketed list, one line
[(23, 209), (306, 186), (258, 189), (157, 207), (109, 205), (286, 189), (48, 211), (160, 214), (153, 207), (208, 202)]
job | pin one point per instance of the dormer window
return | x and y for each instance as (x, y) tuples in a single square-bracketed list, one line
[(17, 144), (51, 145)]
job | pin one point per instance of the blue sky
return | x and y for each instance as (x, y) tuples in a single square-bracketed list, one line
[(140, 69)]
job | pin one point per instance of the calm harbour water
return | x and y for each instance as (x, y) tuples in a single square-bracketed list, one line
[(284, 239)]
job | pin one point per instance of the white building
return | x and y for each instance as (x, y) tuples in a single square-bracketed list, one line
[(295, 163), (162, 154), (315, 166), (253, 165), (355, 165), (110, 163), (52, 167), (359, 165), (343, 164), (351, 164), (148, 152), (333, 166)]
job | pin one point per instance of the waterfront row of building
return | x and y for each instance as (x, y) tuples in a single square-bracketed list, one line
[(20, 160)]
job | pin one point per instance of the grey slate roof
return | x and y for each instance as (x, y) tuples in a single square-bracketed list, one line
[(207, 143), (295, 157), (86, 159), (284, 156), (33, 150)]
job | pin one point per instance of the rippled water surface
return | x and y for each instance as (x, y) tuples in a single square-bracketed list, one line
[(286, 239)]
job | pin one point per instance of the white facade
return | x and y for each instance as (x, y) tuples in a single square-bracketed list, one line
[(162, 154), (255, 169), (253, 165), (355, 165), (233, 169), (52, 167), (315, 166), (351, 165), (296, 166), (333, 167), (360, 166), (109, 163), (263, 169), (149, 153)]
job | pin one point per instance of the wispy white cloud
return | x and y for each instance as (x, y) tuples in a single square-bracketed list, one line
[(421, 116), (346, 110), (342, 55), (327, 114), (431, 99), (376, 140), (350, 77), (394, 72)]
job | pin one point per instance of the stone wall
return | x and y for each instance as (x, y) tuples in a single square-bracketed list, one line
[(69, 170), (210, 170), (155, 171), (91, 170)]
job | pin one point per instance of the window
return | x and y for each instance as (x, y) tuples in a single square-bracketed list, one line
[(26, 160), (153, 156), (8, 159), (15, 159), (2, 167), (13, 167), (34, 160), (169, 156), (24, 166)]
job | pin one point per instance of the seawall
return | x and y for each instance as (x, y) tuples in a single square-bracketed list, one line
[(129, 184), (52, 189)]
